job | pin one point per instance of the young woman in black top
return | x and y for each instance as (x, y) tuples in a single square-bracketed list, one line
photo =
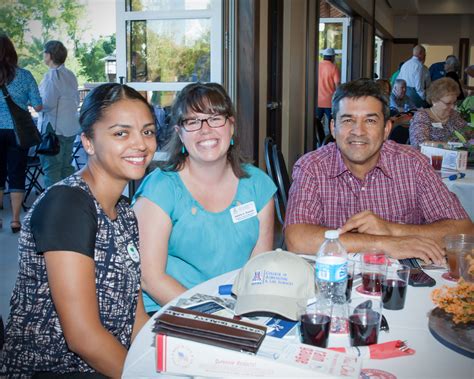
[(77, 301)]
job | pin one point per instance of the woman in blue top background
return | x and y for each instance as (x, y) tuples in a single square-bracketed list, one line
[(24, 91), (205, 211)]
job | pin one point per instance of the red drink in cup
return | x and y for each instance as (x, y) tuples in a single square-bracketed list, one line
[(437, 162), (315, 329)]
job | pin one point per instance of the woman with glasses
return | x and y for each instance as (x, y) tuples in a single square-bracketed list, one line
[(205, 211), (438, 122)]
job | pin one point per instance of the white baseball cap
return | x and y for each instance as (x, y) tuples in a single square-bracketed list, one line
[(277, 282), (328, 52)]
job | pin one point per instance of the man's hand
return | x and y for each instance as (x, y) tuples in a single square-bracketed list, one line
[(414, 247), (368, 222)]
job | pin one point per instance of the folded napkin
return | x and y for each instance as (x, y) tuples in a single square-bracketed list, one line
[(391, 349)]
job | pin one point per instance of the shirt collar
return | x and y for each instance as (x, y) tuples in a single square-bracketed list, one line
[(338, 166)]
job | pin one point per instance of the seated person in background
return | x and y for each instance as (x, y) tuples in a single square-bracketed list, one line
[(400, 104), (204, 212), (438, 122), (437, 69), (399, 101), (77, 302), (451, 67), (378, 193)]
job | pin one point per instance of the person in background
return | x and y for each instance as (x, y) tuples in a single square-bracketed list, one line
[(401, 112), (413, 72), (77, 304), (23, 90), (328, 80), (385, 86), (399, 101), (470, 70), (451, 68), (205, 211), (59, 91), (395, 74), (438, 122), (380, 194), (437, 70)]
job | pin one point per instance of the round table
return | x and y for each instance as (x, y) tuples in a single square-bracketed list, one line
[(464, 190), (432, 359)]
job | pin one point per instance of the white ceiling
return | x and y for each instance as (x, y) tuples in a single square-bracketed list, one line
[(431, 7)]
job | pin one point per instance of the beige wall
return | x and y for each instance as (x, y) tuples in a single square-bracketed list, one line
[(440, 31), (293, 86)]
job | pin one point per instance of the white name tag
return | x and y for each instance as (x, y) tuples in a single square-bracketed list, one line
[(243, 212), (437, 125)]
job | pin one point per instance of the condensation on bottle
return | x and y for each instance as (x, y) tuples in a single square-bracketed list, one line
[(331, 269)]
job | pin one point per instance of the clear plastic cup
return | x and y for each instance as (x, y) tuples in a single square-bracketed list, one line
[(373, 267), (458, 246)]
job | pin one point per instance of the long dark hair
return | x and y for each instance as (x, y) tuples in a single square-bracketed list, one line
[(8, 60), (101, 98), (209, 98)]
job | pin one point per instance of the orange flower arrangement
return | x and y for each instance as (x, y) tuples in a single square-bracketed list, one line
[(459, 300)]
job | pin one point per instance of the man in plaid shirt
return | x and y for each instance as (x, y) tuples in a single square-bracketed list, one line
[(378, 193)]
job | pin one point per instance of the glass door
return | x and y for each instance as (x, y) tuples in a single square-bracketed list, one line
[(333, 32)]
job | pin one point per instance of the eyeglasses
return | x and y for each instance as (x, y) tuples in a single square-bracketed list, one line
[(451, 104), (195, 124)]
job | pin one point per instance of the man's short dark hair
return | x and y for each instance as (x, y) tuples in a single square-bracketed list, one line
[(57, 51), (357, 89)]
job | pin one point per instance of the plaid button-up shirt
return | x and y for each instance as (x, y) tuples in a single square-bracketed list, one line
[(401, 188)]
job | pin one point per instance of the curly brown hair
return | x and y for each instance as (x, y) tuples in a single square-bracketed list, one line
[(441, 88)]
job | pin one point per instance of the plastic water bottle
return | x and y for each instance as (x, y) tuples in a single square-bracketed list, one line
[(331, 269)]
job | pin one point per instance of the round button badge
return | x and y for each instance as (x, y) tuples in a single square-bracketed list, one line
[(133, 252)]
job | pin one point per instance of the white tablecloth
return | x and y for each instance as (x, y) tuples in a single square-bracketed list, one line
[(464, 189), (432, 359)]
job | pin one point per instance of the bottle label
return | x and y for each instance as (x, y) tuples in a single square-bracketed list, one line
[(331, 270)]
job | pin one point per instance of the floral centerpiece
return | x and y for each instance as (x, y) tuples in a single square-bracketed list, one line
[(457, 301)]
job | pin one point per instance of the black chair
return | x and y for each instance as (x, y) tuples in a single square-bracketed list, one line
[(76, 154), (268, 148), (282, 177), (33, 173), (2, 333), (329, 138), (400, 134), (319, 132)]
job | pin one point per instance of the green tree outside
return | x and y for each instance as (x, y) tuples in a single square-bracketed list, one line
[(55, 19)]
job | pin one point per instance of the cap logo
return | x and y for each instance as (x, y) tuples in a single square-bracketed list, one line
[(258, 277), (270, 277)]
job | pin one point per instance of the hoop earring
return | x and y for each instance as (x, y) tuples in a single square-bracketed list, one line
[(232, 141), (183, 150)]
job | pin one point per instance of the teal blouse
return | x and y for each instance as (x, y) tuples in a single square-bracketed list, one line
[(203, 244)]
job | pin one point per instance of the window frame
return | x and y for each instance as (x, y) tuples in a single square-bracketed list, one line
[(214, 14)]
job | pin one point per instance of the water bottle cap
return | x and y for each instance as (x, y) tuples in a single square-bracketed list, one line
[(331, 234)]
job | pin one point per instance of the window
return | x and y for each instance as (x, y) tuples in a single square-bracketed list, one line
[(163, 45), (378, 48), (333, 32)]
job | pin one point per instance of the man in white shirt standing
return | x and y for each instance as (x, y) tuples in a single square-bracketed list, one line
[(59, 91), (415, 75)]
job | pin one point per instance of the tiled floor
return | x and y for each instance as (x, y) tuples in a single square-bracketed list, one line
[(8, 258)]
